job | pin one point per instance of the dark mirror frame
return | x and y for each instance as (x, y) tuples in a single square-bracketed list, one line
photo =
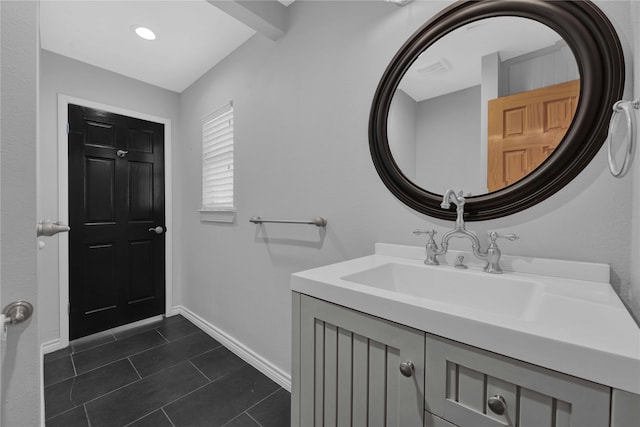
[(598, 52)]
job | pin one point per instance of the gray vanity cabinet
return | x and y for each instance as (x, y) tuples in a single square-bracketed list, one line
[(348, 369), (462, 379), (345, 372)]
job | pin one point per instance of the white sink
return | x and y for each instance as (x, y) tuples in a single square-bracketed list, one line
[(498, 295), (562, 315)]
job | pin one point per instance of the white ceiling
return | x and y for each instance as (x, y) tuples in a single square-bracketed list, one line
[(464, 48), (192, 37)]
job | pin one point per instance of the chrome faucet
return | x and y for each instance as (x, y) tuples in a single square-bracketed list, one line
[(491, 255)]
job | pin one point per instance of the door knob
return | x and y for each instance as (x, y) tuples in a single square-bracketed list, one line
[(157, 230), (17, 312), (497, 404), (407, 368)]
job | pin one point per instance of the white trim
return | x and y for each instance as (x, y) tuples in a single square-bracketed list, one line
[(63, 202), (51, 346), (217, 215), (240, 349)]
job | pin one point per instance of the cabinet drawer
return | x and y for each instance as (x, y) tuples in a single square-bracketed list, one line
[(460, 379)]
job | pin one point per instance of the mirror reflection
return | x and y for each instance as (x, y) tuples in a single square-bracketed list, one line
[(483, 106)]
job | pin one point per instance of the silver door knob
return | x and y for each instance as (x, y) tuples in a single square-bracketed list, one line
[(407, 368), (157, 230), (17, 312), (497, 404)]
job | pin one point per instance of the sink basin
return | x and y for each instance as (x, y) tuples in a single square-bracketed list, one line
[(495, 294), (561, 315)]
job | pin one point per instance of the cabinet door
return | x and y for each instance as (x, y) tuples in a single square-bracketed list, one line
[(349, 369), (460, 379)]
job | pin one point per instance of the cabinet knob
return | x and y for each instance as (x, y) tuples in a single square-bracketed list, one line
[(497, 404), (407, 368)]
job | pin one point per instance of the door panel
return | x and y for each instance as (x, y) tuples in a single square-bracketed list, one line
[(349, 369), (525, 128), (116, 194)]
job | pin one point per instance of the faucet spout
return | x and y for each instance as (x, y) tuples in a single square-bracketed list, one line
[(449, 197)]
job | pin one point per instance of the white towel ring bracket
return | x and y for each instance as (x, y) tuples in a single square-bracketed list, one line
[(627, 108)]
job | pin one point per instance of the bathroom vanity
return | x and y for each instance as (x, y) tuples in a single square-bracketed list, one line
[(387, 340)]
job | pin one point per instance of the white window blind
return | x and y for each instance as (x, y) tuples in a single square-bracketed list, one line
[(217, 159)]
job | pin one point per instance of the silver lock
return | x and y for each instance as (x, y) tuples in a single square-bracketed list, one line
[(17, 312), (49, 228)]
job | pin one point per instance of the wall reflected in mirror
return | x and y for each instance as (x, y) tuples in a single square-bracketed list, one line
[(483, 106)]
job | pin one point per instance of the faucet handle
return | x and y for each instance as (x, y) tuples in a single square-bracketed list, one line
[(431, 233), (494, 235)]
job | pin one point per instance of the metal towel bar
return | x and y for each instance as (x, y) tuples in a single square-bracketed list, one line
[(319, 221)]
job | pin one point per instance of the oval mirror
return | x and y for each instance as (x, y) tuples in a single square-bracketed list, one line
[(507, 101)]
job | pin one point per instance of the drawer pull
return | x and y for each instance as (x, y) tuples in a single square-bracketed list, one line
[(407, 368), (497, 404)]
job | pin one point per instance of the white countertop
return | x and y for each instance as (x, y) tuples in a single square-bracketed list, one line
[(580, 327)]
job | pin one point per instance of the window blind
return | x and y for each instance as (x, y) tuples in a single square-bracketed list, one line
[(217, 159)]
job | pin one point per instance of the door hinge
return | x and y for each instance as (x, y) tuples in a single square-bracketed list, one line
[(68, 308), (67, 128)]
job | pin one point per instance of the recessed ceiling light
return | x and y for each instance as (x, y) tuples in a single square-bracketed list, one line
[(144, 32)]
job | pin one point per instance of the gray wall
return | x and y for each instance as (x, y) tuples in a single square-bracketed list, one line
[(302, 108), (633, 296), (401, 132), (448, 152), (20, 386), (61, 75)]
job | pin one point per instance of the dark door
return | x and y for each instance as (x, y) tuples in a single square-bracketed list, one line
[(116, 214)]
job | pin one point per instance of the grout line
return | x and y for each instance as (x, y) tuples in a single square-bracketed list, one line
[(86, 414), (73, 351), (167, 415), (263, 399), (124, 357), (160, 333), (183, 396), (75, 371), (249, 415), (197, 369), (60, 413), (134, 367)]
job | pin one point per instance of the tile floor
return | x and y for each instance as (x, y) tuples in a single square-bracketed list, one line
[(166, 373)]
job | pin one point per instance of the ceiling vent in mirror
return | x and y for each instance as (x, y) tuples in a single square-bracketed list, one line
[(438, 67), (399, 2)]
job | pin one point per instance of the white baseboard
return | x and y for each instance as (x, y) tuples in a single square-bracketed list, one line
[(51, 346), (245, 353)]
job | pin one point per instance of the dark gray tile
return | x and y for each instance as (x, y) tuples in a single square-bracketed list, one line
[(161, 357), (116, 350), (58, 354), (58, 370), (176, 330), (73, 418), (274, 411), (154, 419), (134, 401), (243, 420), (121, 334), (94, 340), (218, 363), (83, 388), (222, 400)]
